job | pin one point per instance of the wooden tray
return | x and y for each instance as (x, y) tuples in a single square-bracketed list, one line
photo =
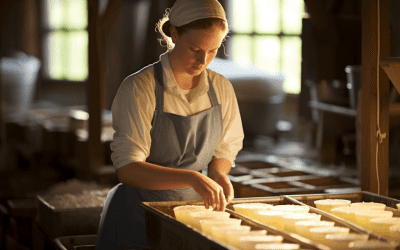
[(361, 196), (353, 197), (67, 221), (166, 233)]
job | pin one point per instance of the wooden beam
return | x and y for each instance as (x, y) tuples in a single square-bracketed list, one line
[(370, 68)]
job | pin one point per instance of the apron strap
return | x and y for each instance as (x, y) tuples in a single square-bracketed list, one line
[(211, 94), (158, 75)]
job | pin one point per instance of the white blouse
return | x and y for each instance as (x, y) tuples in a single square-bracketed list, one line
[(134, 104)]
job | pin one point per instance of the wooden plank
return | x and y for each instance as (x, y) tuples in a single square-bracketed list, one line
[(369, 177)]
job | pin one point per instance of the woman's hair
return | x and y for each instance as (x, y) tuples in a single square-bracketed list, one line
[(163, 27)]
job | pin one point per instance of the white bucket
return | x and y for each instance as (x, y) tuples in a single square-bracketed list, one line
[(18, 78)]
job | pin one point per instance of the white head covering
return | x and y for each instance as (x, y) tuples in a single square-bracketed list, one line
[(186, 11)]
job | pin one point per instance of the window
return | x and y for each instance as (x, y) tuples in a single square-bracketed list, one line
[(65, 40), (266, 33)]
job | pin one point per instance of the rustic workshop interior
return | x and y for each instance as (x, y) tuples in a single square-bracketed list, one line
[(299, 69)]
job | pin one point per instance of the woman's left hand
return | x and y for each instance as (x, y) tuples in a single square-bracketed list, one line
[(226, 184)]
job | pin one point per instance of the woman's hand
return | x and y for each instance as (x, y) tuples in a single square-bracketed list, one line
[(210, 191), (218, 170), (226, 184)]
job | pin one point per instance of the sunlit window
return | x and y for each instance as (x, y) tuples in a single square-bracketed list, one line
[(65, 40), (267, 33)]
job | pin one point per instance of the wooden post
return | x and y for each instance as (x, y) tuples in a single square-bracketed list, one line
[(29, 25), (95, 89), (370, 69), (4, 10), (99, 29)]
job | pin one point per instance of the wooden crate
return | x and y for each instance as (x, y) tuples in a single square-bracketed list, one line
[(72, 242), (12, 244), (22, 214), (274, 177), (22, 207), (299, 183), (67, 221), (323, 183), (282, 187), (40, 240), (4, 224)]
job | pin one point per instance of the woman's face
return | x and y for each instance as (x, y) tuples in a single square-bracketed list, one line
[(195, 49)]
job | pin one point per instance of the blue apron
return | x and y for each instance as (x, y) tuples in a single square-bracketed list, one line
[(182, 142)]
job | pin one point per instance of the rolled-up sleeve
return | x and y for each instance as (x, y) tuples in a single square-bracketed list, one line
[(132, 112), (232, 136)]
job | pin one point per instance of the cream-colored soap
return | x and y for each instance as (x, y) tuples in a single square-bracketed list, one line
[(249, 209), (372, 244), (206, 224), (303, 227), (182, 212), (363, 218), (381, 226), (195, 217), (289, 220), (234, 233), (328, 204), (341, 241), (272, 218), (318, 233), (398, 206), (276, 246), (346, 213), (291, 208), (395, 233), (231, 236), (250, 241), (369, 205), (218, 231)]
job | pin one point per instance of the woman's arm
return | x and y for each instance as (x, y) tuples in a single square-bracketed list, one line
[(218, 170), (150, 176)]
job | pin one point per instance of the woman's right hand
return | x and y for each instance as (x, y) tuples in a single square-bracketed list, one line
[(210, 191)]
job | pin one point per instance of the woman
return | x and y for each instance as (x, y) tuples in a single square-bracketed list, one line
[(172, 120)]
